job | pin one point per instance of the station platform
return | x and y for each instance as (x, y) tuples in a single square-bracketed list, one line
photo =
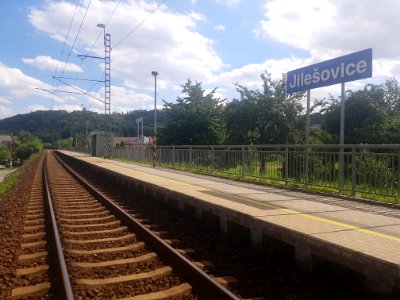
[(359, 236)]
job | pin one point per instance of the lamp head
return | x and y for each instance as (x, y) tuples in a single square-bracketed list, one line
[(101, 25), (154, 73)]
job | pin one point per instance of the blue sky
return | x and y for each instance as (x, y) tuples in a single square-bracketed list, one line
[(217, 42)]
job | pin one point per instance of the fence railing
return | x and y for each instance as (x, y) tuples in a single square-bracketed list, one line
[(366, 169)]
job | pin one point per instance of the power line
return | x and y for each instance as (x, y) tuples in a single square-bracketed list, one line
[(96, 83), (76, 37), (66, 38), (62, 50), (95, 41), (140, 24), (108, 20), (117, 44)]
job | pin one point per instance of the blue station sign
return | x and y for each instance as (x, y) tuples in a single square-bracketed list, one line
[(354, 66)]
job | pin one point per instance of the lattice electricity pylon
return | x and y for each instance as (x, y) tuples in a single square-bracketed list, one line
[(107, 93)]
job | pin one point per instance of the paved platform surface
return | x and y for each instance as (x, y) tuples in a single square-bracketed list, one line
[(340, 225)]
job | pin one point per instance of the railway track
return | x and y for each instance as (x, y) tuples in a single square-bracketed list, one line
[(96, 249)]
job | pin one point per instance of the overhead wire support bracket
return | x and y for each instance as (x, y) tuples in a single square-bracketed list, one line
[(78, 89), (53, 92), (85, 79), (83, 56)]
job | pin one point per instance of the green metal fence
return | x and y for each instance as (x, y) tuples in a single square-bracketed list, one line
[(366, 169)]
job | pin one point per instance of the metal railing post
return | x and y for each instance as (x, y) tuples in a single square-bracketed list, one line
[(212, 159), (173, 156), (307, 165), (190, 157), (353, 171), (341, 168), (243, 160), (398, 173), (286, 165)]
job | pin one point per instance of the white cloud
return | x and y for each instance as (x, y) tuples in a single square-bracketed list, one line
[(18, 91), (35, 107), (6, 112), (15, 84), (5, 100), (46, 63), (230, 3), (330, 28), (69, 107), (169, 43), (295, 22), (128, 98), (166, 42), (249, 75), (220, 27)]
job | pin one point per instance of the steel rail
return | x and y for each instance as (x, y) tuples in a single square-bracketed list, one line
[(62, 267), (211, 288)]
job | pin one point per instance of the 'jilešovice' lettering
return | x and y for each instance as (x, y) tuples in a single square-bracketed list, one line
[(317, 76)]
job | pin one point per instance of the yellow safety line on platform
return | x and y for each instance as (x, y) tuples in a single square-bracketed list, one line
[(321, 219), (290, 211)]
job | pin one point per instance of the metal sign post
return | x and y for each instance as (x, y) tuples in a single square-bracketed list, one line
[(341, 138), (308, 125), (140, 138), (354, 66)]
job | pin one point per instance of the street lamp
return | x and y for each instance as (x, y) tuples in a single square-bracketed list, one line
[(155, 74), (104, 31)]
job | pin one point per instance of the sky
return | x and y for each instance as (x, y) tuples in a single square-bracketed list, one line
[(216, 42)]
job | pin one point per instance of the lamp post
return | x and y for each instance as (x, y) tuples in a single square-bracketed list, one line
[(155, 74)]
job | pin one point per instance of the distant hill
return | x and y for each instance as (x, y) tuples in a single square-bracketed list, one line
[(51, 126)]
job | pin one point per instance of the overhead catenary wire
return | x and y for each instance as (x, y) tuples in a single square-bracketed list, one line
[(76, 37), (106, 23), (78, 89), (62, 51), (91, 47), (116, 45), (66, 39), (138, 25), (100, 34), (82, 79)]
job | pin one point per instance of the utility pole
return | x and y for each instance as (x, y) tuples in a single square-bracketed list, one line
[(107, 88)]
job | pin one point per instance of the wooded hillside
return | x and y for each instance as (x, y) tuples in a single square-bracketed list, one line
[(52, 126)]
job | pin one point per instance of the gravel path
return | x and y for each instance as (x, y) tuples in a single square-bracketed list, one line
[(4, 173)]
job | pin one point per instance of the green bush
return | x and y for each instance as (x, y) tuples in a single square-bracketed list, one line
[(5, 154), (375, 171), (27, 149)]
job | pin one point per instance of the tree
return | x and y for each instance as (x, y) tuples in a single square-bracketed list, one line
[(392, 94), (195, 119), (268, 117), (27, 149), (370, 116), (5, 154)]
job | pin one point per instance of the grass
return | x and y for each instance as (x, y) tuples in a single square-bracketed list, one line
[(9, 182)]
